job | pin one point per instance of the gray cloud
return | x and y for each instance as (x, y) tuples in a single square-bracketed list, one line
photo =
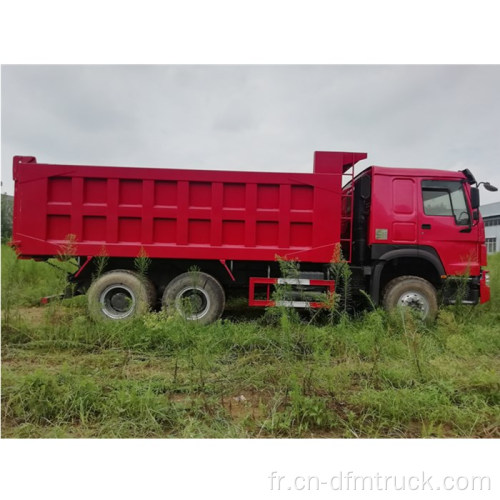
[(253, 117)]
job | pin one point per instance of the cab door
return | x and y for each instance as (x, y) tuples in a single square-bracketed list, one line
[(445, 223)]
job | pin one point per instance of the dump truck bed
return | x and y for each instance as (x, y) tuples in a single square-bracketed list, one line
[(181, 214)]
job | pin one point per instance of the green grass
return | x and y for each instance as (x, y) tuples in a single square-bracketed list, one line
[(373, 376)]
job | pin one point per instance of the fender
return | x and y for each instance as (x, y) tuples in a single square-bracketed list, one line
[(382, 254)]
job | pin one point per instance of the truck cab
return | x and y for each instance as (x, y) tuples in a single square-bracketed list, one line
[(418, 233)]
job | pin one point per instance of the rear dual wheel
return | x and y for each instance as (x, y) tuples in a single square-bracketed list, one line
[(120, 295), (124, 294), (195, 296)]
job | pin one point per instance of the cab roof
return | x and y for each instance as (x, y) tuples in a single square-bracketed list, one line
[(416, 172)]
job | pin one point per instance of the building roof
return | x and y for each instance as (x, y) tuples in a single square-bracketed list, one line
[(490, 210)]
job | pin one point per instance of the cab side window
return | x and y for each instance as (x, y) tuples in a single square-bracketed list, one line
[(446, 199)]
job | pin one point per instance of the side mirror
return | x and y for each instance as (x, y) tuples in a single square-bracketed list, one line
[(490, 187), (474, 198), (475, 216)]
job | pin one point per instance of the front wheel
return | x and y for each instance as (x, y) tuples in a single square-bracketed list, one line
[(413, 292), (195, 296)]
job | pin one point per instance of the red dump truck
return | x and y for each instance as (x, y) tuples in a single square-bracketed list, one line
[(412, 237)]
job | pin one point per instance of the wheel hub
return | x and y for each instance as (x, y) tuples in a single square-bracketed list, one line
[(193, 303), (117, 301), (415, 301), (120, 302)]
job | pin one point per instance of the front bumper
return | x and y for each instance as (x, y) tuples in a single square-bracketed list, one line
[(484, 287), (470, 290)]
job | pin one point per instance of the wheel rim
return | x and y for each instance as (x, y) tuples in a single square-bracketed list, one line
[(192, 303), (117, 301), (416, 301)]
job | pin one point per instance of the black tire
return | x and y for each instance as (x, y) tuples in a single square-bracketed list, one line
[(196, 297), (120, 295), (152, 296), (414, 292)]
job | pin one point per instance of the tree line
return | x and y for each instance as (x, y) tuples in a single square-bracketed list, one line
[(7, 213)]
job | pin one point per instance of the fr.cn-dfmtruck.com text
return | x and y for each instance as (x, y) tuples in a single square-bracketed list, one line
[(350, 481)]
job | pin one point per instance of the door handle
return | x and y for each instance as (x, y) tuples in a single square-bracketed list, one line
[(426, 226)]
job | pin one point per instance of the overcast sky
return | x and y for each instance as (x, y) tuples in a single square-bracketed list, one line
[(253, 117)]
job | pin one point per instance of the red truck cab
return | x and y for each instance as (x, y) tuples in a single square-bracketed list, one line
[(422, 224)]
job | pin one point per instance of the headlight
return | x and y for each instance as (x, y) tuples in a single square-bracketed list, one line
[(486, 278)]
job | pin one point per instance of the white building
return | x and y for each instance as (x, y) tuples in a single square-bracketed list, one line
[(491, 217)]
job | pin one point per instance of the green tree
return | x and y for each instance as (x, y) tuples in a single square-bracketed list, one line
[(7, 212)]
